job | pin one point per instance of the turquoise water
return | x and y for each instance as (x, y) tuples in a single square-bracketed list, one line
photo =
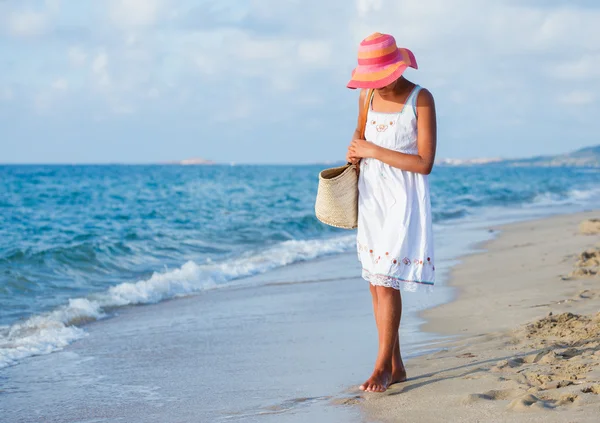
[(79, 241)]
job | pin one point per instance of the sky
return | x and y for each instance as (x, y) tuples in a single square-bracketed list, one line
[(264, 81)]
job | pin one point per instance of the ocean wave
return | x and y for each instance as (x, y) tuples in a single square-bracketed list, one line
[(77, 252), (443, 215), (45, 333), (574, 196), (463, 206)]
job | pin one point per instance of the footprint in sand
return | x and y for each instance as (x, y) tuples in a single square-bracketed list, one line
[(583, 272), (590, 227), (507, 364), (529, 402), (347, 401), (493, 395), (587, 265), (544, 357), (466, 355), (587, 294), (556, 384), (593, 389)]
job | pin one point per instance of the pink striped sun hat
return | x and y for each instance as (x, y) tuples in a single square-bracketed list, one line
[(380, 62)]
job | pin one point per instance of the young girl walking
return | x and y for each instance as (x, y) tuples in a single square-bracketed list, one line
[(394, 237)]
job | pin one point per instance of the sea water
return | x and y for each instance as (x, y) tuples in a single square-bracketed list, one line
[(78, 242)]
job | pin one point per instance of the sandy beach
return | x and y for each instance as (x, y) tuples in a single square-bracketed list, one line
[(526, 323)]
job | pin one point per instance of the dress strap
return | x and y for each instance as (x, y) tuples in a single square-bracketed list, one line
[(413, 97)]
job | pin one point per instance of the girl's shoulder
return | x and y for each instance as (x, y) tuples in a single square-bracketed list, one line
[(424, 97)]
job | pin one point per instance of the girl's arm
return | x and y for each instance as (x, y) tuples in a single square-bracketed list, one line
[(426, 142)]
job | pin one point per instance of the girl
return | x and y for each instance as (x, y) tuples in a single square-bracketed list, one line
[(394, 237)]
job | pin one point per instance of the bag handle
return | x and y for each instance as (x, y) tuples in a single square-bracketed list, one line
[(364, 114)]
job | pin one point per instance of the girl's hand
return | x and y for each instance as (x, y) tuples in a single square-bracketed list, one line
[(362, 149), (354, 160), (351, 159)]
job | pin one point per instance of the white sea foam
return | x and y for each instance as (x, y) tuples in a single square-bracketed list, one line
[(573, 197), (45, 333)]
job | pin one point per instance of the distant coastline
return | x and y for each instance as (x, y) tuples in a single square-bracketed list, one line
[(194, 161), (585, 157)]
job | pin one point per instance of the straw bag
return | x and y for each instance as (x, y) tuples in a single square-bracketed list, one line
[(337, 195)]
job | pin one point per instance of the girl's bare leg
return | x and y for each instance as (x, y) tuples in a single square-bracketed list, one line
[(387, 307)]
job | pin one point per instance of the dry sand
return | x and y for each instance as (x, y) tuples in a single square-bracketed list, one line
[(528, 325)]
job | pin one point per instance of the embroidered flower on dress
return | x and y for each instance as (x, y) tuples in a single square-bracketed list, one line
[(381, 128), (405, 260)]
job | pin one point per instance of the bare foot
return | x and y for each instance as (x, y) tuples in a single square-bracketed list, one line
[(378, 382), (398, 376), (398, 370)]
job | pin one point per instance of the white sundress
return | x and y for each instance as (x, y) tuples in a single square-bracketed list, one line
[(394, 237)]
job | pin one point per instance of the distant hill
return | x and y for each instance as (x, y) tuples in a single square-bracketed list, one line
[(468, 162), (588, 157), (585, 157), (192, 161)]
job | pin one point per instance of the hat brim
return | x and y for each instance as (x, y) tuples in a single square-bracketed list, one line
[(366, 78)]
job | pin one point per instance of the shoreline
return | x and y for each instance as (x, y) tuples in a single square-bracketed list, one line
[(486, 366)]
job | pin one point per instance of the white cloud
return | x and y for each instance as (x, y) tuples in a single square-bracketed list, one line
[(6, 94), (577, 98), (282, 83), (584, 68), (123, 109), (206, 64), (100, 69), (134, 13), (153, 93), (77, 56), (315, 52), (253, 48), (42, 102), (364, 7), (53, 5), (60, 84), (26, 23)]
